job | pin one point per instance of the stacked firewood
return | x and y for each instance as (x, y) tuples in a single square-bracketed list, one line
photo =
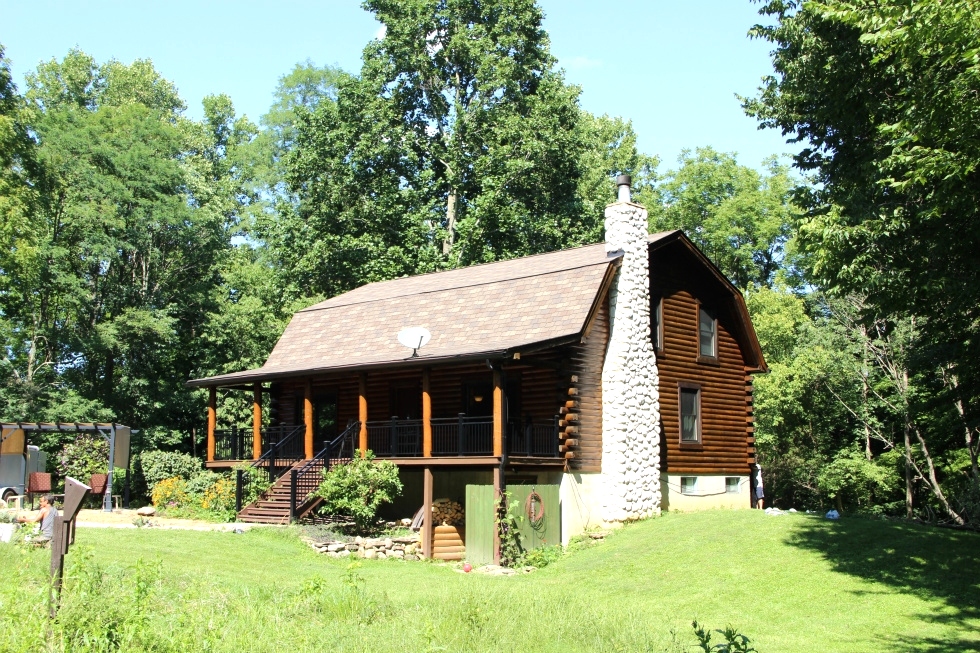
[(448, 513)]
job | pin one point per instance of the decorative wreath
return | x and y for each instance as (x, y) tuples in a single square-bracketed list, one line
[(534, 516)]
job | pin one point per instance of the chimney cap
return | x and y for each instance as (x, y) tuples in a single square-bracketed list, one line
[(624, 180)]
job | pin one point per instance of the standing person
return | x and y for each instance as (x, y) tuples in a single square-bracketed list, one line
[(759, 495), (46, 517)]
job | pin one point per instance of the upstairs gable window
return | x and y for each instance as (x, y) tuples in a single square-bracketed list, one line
[(657, 323), (707, 334)]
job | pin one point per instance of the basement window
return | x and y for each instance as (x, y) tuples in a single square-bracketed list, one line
[(689, 484), (731, 485)]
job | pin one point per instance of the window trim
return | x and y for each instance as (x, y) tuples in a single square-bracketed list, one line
[(689, 444), (713, 359), (657, 308)]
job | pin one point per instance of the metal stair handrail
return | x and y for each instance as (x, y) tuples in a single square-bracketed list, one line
[(323, 455)]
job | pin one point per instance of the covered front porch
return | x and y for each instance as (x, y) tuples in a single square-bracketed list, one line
[(476, 413)]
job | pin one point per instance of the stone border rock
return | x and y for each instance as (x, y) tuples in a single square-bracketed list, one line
[(371, 548)]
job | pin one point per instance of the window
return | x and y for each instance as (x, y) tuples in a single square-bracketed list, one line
[(690, 402), (657, 323), (731, 485), (707, 334), (689, 484)]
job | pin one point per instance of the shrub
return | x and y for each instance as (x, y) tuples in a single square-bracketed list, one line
[(201, 482), (159, 465), (358, 488), (86, 455), (256, 482), (170, 492)]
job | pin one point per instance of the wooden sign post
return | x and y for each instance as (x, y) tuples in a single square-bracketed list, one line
[(63, 537)]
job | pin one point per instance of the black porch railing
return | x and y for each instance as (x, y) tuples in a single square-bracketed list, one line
[(395, 438), (233, 444), (303, 481), (533, 440), (462, 436), (287, 447)]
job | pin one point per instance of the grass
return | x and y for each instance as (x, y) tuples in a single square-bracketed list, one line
[(790, 583)]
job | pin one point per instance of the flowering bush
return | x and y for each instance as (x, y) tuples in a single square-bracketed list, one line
[(86, 455), (220, 497), (170, 493)]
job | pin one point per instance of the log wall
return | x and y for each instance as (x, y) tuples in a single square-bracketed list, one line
[(727, 443), (582, 419)]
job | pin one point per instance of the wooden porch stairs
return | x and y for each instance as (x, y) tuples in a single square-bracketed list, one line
[(272, 506)]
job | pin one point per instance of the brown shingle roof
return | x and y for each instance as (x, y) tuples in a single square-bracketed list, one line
[(471, 311)]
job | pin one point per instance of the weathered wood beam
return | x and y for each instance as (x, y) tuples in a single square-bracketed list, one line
[(427, 525)]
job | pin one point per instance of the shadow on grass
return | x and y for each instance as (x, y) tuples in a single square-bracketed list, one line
[(938, 565)]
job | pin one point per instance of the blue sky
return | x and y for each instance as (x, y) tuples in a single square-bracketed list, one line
[(673, 68)]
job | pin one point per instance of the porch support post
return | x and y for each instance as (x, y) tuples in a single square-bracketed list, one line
[(212, 419), (498, 415), (427, 525), (497, 490), (426, 415), (308, 417), (256, 421), (362, 414)]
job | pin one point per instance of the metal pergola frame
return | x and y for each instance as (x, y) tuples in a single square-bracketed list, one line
[(106, 430)]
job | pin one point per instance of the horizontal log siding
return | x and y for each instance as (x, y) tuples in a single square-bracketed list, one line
[(582, 436), (726, 409), (541, 391)]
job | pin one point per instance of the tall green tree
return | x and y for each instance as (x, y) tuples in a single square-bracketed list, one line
[(110, 279), (884, 98), (459, 142), (740, 218)]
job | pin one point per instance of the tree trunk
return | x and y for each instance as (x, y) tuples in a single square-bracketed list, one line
[(908, 474), (971, 446), (934, 482), (447, 244)]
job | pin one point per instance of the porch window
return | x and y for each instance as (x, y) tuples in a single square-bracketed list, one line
[(690, 404), (707, 334)]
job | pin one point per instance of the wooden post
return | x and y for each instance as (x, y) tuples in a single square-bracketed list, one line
[(498, 415), (212, 419), (362, 414), (426, 415), (427, 525), (496, 504), (308, 417), (256, 421)]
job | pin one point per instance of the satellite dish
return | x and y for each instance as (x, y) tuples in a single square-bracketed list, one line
[(414, 338)]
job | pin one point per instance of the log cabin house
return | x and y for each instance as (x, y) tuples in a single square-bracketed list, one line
[(621, 372)]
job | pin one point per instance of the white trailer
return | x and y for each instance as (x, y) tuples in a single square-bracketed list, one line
[(17, 461)]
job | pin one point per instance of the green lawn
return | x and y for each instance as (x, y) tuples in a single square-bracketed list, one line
[(790, 583)]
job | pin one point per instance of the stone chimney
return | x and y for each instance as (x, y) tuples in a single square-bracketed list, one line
[(630, 384)]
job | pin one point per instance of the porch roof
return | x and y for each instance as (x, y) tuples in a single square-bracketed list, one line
[(474, 312)]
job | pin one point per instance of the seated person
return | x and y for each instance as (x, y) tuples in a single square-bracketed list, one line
[(46, 517)]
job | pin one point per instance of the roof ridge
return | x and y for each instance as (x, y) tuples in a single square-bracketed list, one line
[(456, 270), (317, 307)]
